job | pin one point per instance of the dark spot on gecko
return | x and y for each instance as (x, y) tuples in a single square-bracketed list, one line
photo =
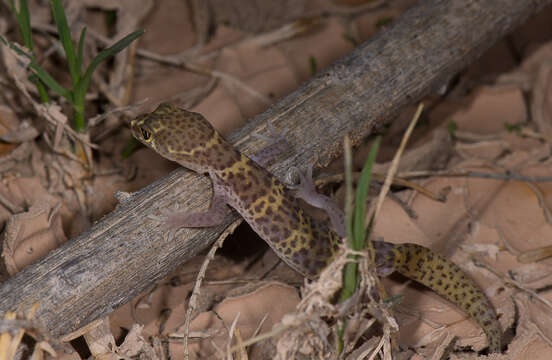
[(262, 220), (285, 212), (258, 208), (287, 233)]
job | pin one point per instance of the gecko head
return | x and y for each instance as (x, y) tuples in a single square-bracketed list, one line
[(176, 134)]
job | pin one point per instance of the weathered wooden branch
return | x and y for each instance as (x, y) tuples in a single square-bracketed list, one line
[(126, 252)]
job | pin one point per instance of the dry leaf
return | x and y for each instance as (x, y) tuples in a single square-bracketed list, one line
[(31, 235)]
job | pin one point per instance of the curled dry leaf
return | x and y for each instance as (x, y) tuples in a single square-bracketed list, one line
[(533, 335), (136, 345), (11, 132), (535, 75), (101, 342), (31, 235)]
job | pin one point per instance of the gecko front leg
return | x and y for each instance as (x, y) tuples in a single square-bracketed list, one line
[(307, 192), (276, 144), (217, 213)]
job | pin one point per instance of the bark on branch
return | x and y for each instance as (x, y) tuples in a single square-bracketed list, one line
[(126, 252)]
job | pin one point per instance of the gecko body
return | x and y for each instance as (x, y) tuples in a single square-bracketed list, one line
[(265, 203)]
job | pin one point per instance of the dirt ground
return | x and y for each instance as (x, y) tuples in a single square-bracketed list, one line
[(484, 142)]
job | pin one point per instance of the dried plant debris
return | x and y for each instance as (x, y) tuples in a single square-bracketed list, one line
[(12, 345), (496, 228), (31, 235), (252, 15)]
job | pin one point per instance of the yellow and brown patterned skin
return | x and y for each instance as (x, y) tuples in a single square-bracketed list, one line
[(260, 198), (446, 279), (273, 212)]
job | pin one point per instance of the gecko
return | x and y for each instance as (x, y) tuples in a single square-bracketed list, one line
[(274, 213)]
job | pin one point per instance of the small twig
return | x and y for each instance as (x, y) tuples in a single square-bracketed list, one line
[(114, 112), (507, 280), (285, 32), (526, 131), (542, 202), (544, 336), (239, 84), (261, 323), (406, 208), (475, 174), (243, 352), (379, 178), (396, 159), (275, 331), (193, 67), (231, 335), (531, 256), (378, 348), (192, 304)]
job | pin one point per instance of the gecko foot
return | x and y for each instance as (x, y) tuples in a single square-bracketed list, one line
[(307, 191), (277, 144)]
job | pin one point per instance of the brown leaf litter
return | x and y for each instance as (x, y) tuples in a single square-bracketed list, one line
[(485, 225)]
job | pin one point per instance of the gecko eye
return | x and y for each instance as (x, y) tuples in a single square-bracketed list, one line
[(146, 135)]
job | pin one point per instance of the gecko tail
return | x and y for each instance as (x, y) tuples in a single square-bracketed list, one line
[(445, 278)]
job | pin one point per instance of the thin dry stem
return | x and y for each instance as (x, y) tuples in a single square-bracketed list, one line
[(396, 159), (474, 174), (192, 305), (231, 335)]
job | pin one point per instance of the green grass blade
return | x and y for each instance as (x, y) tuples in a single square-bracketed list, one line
[(50, 82), (40, 72), (349, 191), (356, 227), (313, 65), (82, 87), (81, 48), (24, 22), (65, 38), (15, 48), (359, 225), (354, 222), (42, 92), (350, 271)]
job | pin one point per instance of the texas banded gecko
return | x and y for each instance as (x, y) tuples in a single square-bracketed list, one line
[(265, 203)]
